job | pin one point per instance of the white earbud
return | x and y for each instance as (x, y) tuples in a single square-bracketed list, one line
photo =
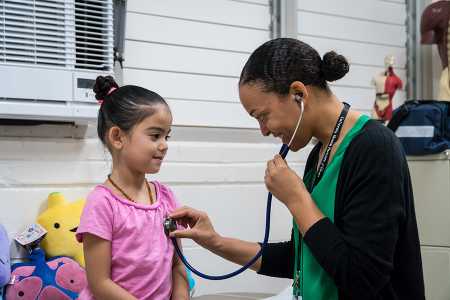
[(298, 98)]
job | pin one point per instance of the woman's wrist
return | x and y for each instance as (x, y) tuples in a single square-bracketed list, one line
[(298, 200), (305, 212), (214, 242)]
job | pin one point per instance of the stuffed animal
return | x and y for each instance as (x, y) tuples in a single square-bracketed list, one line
[(60, 278), (5, 268), (61, 221)]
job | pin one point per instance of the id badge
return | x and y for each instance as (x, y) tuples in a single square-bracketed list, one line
[(31, 237)]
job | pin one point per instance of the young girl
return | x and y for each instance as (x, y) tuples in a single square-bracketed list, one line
[(127, 254)]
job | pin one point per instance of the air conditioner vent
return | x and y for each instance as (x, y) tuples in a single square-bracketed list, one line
[(75, 34), (32, 33), (39, 101), (94, 35)]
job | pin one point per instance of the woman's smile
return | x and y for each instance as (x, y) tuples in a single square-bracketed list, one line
[(281, 136)]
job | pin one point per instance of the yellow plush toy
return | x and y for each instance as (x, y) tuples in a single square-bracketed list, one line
[(61, 221)]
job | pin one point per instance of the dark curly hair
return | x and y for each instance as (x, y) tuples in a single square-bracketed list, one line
[(276, 64), (125, 107)]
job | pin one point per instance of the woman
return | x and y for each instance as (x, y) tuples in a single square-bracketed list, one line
[(354, 227)]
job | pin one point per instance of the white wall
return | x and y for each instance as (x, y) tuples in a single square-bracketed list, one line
[(364, 32), (192, 54)]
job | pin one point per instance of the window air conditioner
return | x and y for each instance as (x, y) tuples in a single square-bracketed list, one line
[(51, 51)]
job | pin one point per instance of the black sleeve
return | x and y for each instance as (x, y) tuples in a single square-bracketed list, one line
[(278, 259), (357, 251)]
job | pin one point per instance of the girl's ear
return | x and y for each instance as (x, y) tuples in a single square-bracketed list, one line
[(115, 137)]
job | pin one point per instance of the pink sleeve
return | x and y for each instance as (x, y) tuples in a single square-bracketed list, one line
[(176, 204), (97, 217)]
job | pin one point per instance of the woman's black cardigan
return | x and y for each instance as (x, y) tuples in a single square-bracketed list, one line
[(372, 249)]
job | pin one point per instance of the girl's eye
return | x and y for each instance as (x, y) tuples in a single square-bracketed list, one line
[(155, 136), (168, 137)]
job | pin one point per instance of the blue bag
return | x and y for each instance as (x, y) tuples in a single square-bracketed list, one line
[(422, 126)]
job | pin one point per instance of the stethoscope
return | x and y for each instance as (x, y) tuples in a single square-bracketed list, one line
[(170, 225)]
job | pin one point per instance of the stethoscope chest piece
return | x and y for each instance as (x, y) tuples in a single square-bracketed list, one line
[(169, 225)]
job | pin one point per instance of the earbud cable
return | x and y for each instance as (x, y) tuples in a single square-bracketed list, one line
[(298, 124)]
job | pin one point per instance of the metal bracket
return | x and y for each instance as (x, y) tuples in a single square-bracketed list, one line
[(120, 10)]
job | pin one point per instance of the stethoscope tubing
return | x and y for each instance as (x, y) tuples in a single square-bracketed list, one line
[(283, 152)]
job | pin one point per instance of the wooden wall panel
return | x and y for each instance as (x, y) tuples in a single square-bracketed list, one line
[(155, 29), (229, 13), (376, 11), (358, 53), (185, 86), (320, 25), (148, 56)]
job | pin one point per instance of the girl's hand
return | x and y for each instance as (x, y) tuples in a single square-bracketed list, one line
[(283, 182), (202, 231)]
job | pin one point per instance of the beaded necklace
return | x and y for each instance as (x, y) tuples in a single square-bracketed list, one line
[(128, 197)]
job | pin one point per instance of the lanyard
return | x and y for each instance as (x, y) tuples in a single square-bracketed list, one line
[(326, 157), (313, 182)]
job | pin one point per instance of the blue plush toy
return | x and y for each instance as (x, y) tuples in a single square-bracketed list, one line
[(5, 267), (60, 278)]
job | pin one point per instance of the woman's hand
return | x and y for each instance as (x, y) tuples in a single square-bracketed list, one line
[(202, 231), (283, 182), (288, 187)]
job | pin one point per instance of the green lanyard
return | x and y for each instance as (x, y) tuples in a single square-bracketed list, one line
[(312, 181), (298, 279), (298, 276)]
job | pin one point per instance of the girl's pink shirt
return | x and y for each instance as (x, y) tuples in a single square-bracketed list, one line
[(141, 254)]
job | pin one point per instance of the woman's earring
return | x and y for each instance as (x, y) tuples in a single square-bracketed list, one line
[(298, 98)]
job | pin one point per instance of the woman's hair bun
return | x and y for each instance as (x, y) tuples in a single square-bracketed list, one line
[(103, 85), (334, 66)]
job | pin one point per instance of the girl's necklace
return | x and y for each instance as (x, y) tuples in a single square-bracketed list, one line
[(128, 197)]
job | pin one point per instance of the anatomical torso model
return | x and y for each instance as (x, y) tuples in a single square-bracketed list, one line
[(386, 84)]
